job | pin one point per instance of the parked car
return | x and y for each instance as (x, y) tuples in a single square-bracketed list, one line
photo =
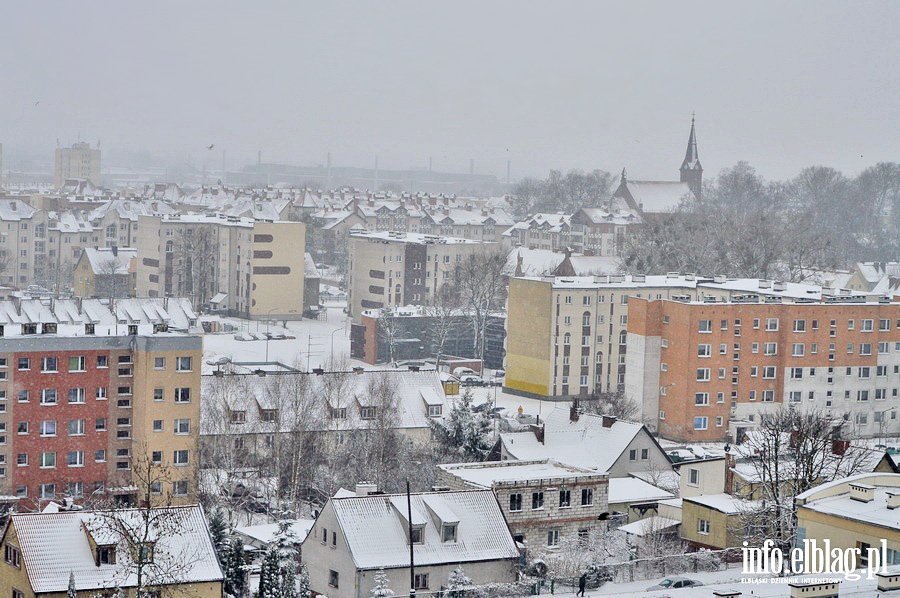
[(674, 583), (498, 374), (471, 380)]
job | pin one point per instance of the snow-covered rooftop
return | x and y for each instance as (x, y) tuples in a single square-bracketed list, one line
[(415, 238), (265, 533), (485, 475), (106, 261), (585, 443), (649, 525), (724, 503), (53, 545), (375, 529), (629, 490)]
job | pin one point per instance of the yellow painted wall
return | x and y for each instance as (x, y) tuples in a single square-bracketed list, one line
[(146, 410), (279, 296), (844, 533), (721, 534), (529, 336)]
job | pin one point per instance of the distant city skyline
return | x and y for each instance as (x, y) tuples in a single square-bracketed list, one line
[(546, 86)]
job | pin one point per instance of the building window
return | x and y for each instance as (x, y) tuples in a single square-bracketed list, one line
[(448, 532), (48, 428), (515, 502), (48, 396), (180, 457), (49, 364), (701, 399), (106, 555), (701, 423), (553, 537), (537, 500), (693, 477), (180, 488), (771, 324), (704, 326), (75, 427), (565, 498), (704, 350), (587, 497), (703, 526), (75, 459), (77, 364), (183, 426), (703, 375), (420, 581), (12, 556), (157, 425), (182, 364), (333, 578), (183, 395), (48, 460), (159, 363)]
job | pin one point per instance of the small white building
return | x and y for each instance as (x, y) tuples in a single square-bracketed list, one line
[(356, 536)]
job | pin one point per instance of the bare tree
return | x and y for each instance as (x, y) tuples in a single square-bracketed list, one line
[(789, 453), (140, 537), (196, 263), (613, 403), (441, 314), (111, 281), (388, 331), (481, 290)]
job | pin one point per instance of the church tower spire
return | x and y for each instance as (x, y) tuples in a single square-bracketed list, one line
[(691, 170)]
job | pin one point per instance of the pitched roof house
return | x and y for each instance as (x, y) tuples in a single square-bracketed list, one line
[(356, 536), (42, 550)]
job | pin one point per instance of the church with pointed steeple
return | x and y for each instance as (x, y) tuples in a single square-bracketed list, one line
[(691, 170), (648, 197)]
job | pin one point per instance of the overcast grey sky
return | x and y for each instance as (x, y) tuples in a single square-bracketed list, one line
[(546, 84)]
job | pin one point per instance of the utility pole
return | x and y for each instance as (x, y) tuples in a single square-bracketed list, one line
[(412, 562)]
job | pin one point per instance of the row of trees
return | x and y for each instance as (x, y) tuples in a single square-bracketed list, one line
[(746, 226)]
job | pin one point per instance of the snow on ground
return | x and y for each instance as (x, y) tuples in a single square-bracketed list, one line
[(316, 342), (730, 579)]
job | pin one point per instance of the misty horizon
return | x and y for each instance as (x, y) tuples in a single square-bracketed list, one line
[(572, 86)]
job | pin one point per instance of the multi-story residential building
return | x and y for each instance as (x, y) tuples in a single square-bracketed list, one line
[(708, 369), (565, 336), (542, 231), (250, 268), (390, 269), (591, 231), (17, 231), (544, 502), (77, 162), (87, 390)]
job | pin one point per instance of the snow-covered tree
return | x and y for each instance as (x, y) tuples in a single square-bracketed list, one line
[(278, 575), (218, 530), (303, 589), (459, 585), (71, 593), (234, 569), (465, 433), (381, 589)]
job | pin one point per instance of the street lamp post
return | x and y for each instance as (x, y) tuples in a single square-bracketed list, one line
[(268, 313), (332, 344)]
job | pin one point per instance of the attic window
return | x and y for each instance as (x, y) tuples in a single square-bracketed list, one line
[(106, 555), (269, 415), (238, 417), (368, 412), (417, 535), (448, 532)]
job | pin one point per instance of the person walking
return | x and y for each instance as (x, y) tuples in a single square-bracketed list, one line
[(582, 583)]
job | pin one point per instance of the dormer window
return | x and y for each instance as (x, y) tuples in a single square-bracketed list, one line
[(106, 555), (417, 535), (448, 532), (238, 417), (368, 412), (270, 415)]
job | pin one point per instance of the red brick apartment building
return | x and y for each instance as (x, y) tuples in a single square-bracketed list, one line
[(706, 371), (83, 395)]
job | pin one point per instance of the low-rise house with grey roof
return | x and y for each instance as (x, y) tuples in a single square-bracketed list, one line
[(43, 552), (355, 537)]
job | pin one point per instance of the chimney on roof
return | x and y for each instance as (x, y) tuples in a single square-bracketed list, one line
[(893, 499), (366, 488), (115, 250), (608, 421), (538, 432), (862, 492)]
